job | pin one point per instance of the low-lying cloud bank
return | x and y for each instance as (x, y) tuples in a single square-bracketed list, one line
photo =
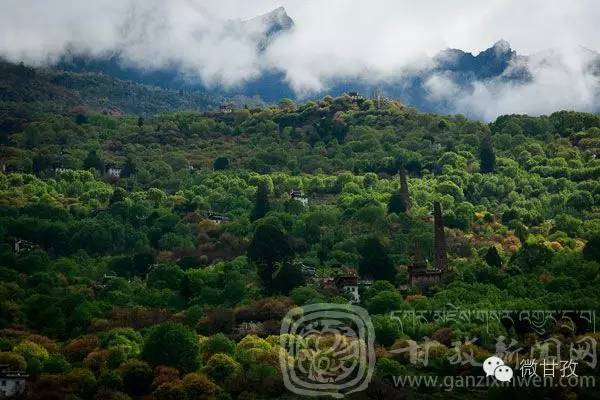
[(558, 80), (377, 41)]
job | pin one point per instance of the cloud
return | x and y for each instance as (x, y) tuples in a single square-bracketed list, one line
[(334, 39), (560, 79), (149, 34)]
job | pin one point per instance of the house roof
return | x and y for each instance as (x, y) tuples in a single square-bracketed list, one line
[(6, 372)]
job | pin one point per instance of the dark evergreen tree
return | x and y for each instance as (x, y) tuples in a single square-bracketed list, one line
[(268, 249), (81, 119), (174, 345), (119, 194), (521, 231), (414, 167), (185, 289), (136, 376), (487, 156), (130, 168), (261, 204), (140, 121), (532, 257), (492, 258), (375, 262), (287, 277), (221, 163), (591, 251), (339, 130), (142, 262), (92, 160), (40, 163)]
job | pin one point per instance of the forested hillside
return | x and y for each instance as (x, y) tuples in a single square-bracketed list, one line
[(23, 87), (158, 254)]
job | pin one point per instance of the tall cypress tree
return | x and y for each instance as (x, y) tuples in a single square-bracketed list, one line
[(492, 258), (486, 155), (268, 249), (130, 168), (261, 204), (92, 160), (375, 262)]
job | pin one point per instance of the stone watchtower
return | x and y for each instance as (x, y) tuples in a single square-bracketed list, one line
[(418, 273), (404, 188)]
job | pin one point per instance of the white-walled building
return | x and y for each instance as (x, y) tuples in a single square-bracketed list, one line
[(12, 383), (297, 195)]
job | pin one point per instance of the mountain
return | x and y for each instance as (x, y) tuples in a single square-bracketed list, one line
[(260, 30), (458, 68), (453, 70), (57, 90), (263, 29), (488, 64)]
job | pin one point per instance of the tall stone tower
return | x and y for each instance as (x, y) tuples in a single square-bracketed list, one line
[(439, 238), (404, 188)]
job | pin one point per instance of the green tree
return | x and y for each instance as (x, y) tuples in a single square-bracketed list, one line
[(199, 386), (119, 194), (125, 339), (532, 256), (287, 277), (222, 368), (221, 163), (130, 167), (387, 329), (492, 258), (137, 377), (521, 231), (165, 276), (93, 161), (56, 364), (375, 262), (287, 104), (384, 302), (487, 157), (218, 343), (174, 345), (269, 247), (397, 204), (261, 204), (591, 251), (81, 119), (580, 200), (388, 368), (13, 360), (306, 295), (142, 261)]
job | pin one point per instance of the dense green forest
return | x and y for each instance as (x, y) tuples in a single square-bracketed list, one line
[(123, 284), (25, 89)]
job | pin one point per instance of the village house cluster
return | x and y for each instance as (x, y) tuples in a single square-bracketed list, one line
[(420, 275), (111, 170)]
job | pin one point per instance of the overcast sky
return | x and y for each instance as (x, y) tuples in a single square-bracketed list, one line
[(331, 37)]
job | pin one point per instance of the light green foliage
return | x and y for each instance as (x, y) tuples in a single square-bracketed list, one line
[(208, 245)]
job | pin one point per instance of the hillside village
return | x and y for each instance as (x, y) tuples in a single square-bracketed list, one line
[(210, 226)]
